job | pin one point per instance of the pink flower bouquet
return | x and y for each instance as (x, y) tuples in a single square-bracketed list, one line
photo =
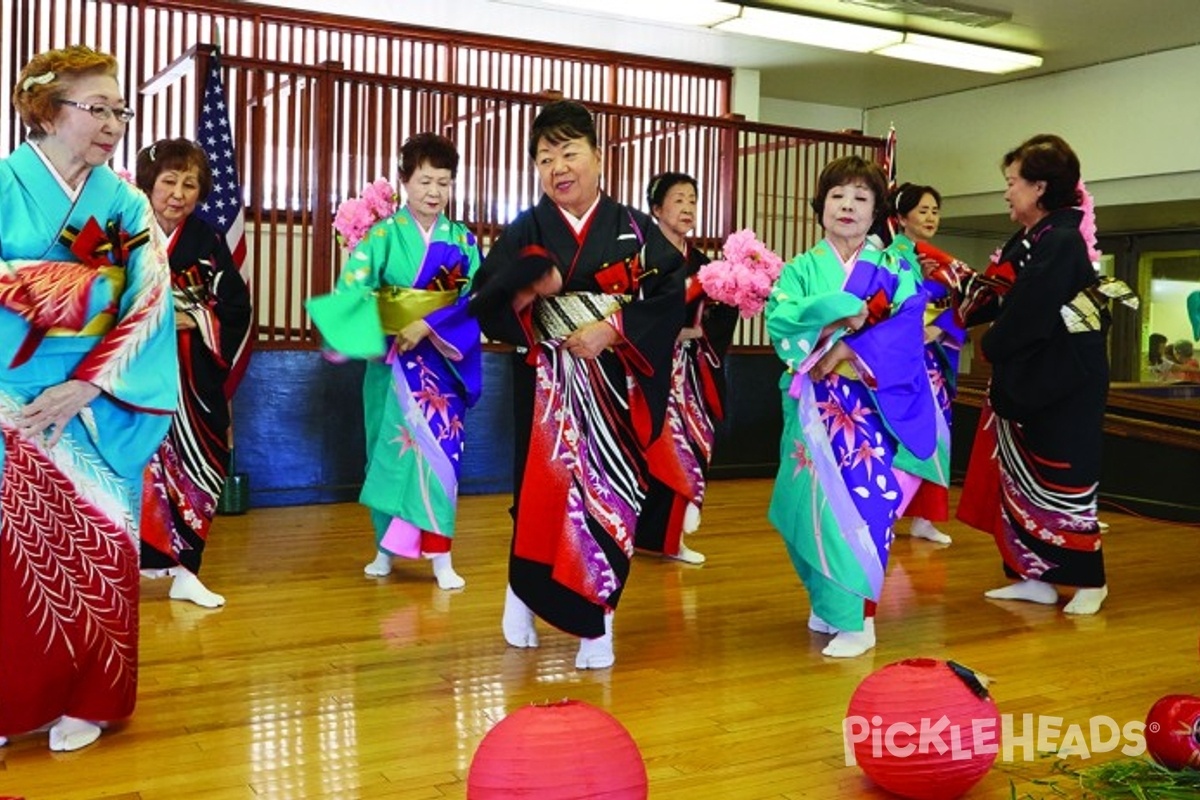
[(356, 215), (743, 277)]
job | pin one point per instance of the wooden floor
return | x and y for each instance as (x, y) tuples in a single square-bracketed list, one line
[(316, 682)]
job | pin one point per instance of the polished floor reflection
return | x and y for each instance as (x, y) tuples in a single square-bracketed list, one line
[(317, 682)]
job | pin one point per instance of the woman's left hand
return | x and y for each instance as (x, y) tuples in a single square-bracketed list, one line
[(51, 410), (591, 340), (411, 335), (828, 363)]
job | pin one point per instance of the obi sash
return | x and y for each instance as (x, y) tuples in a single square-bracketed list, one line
[(560, 315), (400, 305)]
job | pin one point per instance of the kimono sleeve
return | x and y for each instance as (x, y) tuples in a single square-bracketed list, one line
[(348, 317), (453, 328), (503, 272), (233, 308), (1058, 269)]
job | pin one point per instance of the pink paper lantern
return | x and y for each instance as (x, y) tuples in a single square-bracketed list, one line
[(923, 729), (559, 751)]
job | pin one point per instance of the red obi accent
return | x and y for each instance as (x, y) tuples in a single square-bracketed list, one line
[(879, 307), (1003, 273), (91, 245), (621, 277)]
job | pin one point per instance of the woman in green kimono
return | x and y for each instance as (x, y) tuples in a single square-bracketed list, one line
[(858, 413), (401, 304)]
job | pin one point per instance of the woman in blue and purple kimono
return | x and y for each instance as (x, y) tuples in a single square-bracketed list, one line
[(917, 211), (848, 323), (401, 304)]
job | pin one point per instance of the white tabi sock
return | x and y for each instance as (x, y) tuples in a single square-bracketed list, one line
[(70, 733), (850, 644), (1086, 601), (381, 567), (924, 529), (1030, 591), (597, 653), (187, 586), (447, 579), (518, 621)]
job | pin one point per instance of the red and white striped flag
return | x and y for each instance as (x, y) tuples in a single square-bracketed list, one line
[(223, 209)]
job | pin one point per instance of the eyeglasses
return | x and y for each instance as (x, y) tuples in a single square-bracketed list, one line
[(101, 111)]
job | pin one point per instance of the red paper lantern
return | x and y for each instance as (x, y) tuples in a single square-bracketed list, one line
[(560, 751), (923, 729), (1173, 731)]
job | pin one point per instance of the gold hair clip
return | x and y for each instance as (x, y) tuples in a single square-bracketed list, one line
[(40, 80)]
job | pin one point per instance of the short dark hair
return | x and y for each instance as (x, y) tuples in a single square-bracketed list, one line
[(907, 196), (849, 169), (427, 148), (172, 154), (562, 121), (1049, 158), (663, 182)]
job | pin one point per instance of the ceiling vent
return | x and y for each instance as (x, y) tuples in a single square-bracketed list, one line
[(957, 13)]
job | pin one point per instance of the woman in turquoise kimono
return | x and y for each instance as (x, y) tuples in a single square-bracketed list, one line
[(858, 413), (87, 344), (401, 304), (917, 212)]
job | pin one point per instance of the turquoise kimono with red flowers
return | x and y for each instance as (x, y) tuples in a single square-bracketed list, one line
[(85, 294)]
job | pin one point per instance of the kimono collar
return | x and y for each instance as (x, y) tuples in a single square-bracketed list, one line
[(579, 223), (72, 192)]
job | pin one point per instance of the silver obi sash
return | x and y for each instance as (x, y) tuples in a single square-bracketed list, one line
[(559, 315)]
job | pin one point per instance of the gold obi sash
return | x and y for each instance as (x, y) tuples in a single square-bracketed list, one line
[(559, 315), (105, 321), (400, 305)]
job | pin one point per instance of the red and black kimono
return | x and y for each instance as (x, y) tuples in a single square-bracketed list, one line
[(185, 477), (680, 457), (582, 425), (1034, 472)]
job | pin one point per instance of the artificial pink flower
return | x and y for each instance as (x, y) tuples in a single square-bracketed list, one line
[(357, 215), (743, 277)]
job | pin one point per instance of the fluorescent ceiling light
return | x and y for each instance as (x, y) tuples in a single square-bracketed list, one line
[(814, 31), (949, 53), (681, 12)]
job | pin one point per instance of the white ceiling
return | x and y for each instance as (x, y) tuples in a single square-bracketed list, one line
[(1067, 33)]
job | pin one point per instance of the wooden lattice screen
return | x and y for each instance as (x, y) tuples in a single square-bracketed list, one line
[(320, 105)]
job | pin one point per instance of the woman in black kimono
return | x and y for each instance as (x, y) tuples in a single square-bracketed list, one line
[(212, 316), (1035, 463), (680, 457), (592, 296)]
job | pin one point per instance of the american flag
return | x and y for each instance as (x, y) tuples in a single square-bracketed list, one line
[(222, 209)]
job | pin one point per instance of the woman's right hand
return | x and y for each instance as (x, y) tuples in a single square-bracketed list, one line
[(549, 284)]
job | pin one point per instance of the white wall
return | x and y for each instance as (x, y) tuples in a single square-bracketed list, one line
[(815, 116), (1134, 123)]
